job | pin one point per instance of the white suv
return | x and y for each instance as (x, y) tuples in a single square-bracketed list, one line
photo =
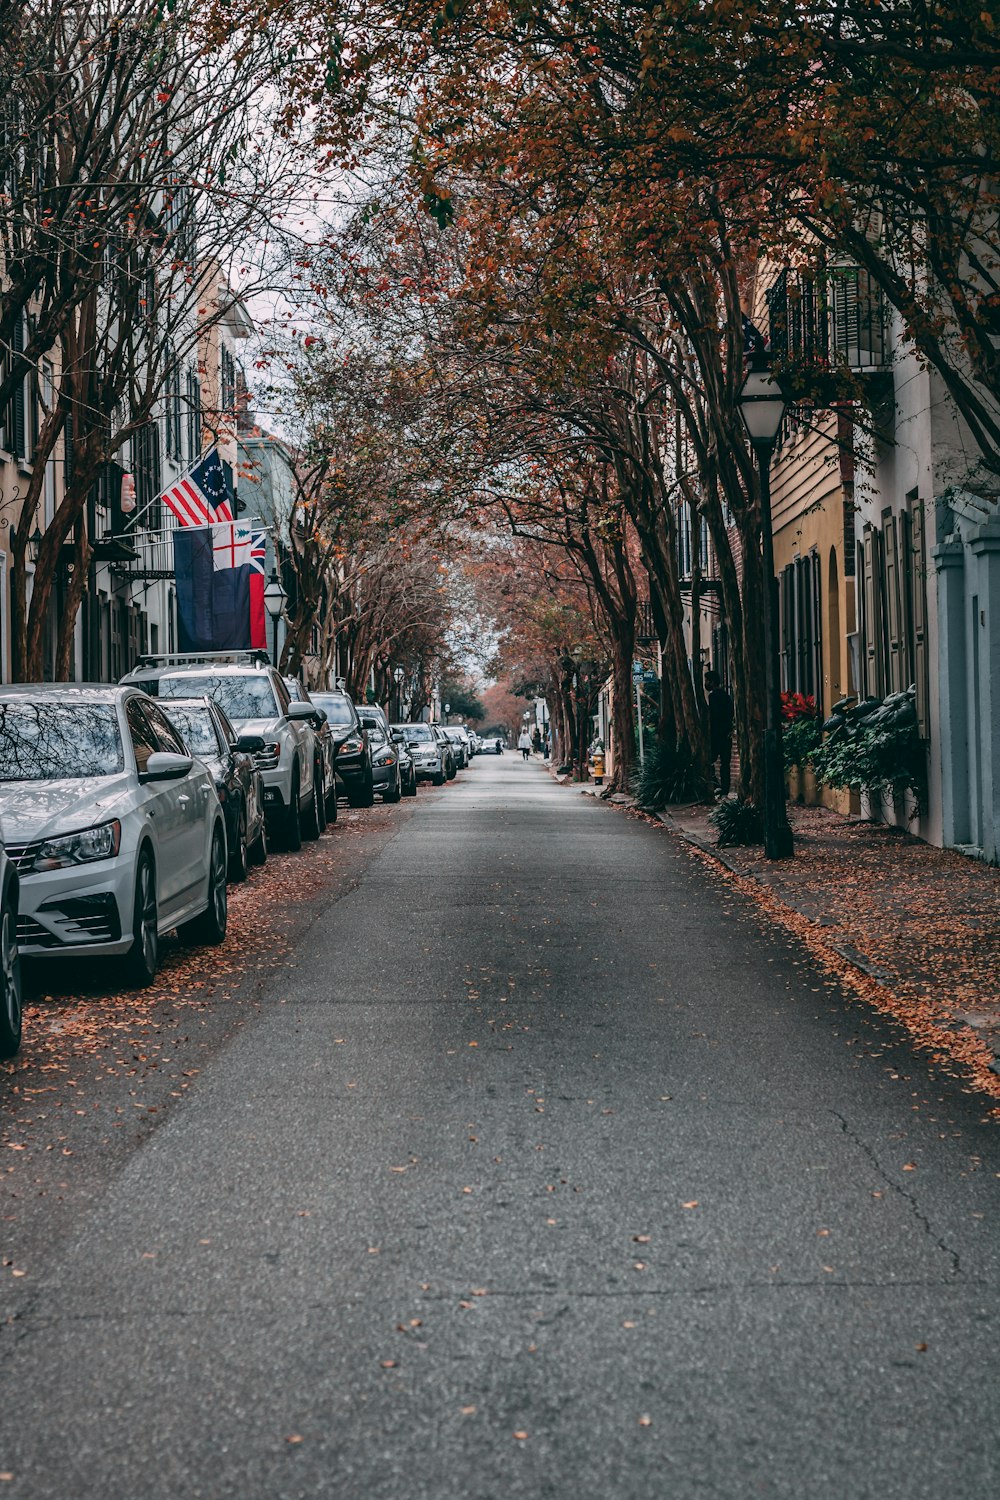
[(256, 701), (115, 831)]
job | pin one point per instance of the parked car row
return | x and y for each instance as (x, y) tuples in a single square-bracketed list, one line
[(126, 810)]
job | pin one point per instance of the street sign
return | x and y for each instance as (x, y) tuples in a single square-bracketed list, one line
[(637, 670)]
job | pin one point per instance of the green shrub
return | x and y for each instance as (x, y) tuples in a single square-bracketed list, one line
[(667, 775), (799, 740), (737, 822), (882, 760)]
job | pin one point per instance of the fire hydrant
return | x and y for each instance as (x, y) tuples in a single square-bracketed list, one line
[(597, 766)]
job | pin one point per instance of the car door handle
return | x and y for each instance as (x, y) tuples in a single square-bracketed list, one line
[(183, 801)]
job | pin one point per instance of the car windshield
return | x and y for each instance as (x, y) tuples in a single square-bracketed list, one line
[(376, 733), (243, 695), (53, 741), (338, 710), (417, 732), (197, 729)]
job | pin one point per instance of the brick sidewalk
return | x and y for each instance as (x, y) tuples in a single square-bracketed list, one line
[(915, 929)]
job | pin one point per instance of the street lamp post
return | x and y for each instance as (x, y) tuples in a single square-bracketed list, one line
[(274, 603), (762, 406), (397, 676)]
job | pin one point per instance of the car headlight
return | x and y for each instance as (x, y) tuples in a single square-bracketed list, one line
[(80, 848), (267, 759), (351, 745)]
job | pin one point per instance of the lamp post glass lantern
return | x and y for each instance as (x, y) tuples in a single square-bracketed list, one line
[(274, 602), (762, 407)]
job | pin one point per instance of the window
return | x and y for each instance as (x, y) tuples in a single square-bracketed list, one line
[(800, 603), (17, 423), (194, 425), (172, 402), (142, 737), (167, 737), (146, 472), (228, 375)]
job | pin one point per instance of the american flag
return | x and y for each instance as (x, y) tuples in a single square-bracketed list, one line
[(204, 496)]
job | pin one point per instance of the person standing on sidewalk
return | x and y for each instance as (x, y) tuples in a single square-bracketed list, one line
[(524, 744), (536, 739), (720, 728)]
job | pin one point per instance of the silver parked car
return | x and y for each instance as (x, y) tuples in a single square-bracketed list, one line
[(115, 831)]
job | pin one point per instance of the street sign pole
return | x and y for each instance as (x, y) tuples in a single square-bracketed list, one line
[(638, 712)]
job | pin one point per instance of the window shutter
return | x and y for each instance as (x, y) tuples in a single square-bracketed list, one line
[(19, 411), (893, 613), (871, 655), (918, 573)]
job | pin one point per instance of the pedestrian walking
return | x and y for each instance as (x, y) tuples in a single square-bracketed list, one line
[(536, 739), (524, 744), (720, 728)]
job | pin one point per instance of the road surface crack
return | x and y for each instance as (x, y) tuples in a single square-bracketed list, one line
[(910, 1198)]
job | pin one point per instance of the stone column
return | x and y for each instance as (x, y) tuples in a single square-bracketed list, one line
[(953, 696), (984, 544)]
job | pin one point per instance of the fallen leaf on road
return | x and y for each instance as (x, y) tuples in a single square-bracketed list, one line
[(520, 1436), (468, 1411), (397, 1169), (645, 1421), (921, 1348), (388, 1364), (641, 1239), (692, 1204), (638, 1265), (294, 1437), (909, 1166), (628, 1325)]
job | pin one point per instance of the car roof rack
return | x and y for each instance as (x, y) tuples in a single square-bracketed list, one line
[(254, 658)]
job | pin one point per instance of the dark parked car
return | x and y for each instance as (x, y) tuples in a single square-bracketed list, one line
[(460, 746), (354, 756), (385, 763), (447, 752), (207, 732), (407, 765), (298, 693)]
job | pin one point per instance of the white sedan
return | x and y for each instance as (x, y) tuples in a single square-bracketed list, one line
[(115, 831)]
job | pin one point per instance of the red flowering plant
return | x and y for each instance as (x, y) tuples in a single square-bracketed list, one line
[(800, 732), (797, 706)]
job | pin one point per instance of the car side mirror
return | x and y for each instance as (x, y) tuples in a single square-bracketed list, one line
[(399, 739), (164, 765), (300, 711), (320, 717), (413, 744), (250, 744)]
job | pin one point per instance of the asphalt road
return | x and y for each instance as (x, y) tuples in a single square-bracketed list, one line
[(544, 1170)]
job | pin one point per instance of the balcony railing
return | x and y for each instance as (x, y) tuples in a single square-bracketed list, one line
[(834, 318)]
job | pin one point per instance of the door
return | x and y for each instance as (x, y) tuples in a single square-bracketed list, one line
[(166, 814), (193, 794)]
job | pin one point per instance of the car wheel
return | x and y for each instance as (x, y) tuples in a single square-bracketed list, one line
[(143, 958), (331, 805), (362, 796), (292, 824), (257, 852), (320, 798), (210, 926), (311, 825), (239, 863), (10, 981), (393, 793), (410, 789), (438, 778)]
